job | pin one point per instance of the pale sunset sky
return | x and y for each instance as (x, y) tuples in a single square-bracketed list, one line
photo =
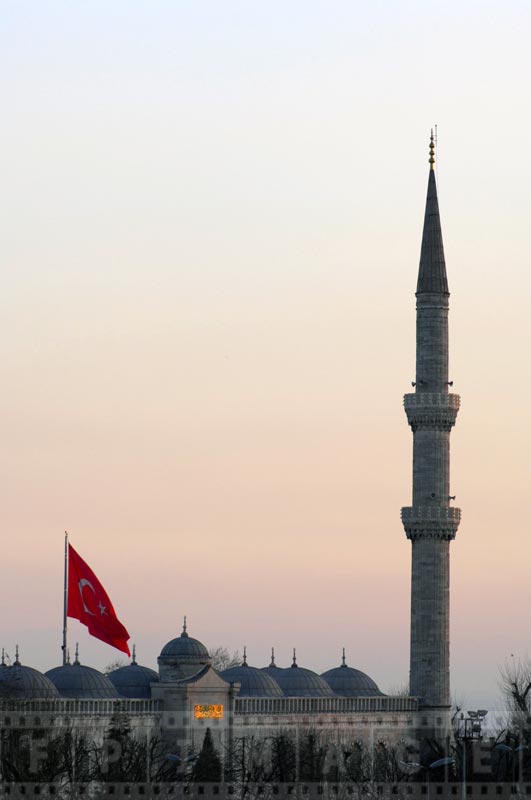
[(211, 215)]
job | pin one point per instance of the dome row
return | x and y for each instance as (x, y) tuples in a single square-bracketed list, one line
[(295, 681), (179, 659), (75, 681)]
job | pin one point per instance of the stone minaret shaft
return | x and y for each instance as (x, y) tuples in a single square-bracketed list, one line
[(430, 522)]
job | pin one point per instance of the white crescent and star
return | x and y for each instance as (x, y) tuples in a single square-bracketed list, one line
[(85, 582)]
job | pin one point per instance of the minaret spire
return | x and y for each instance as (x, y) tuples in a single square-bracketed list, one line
[(432, 151), (432, 270), (430, 522)]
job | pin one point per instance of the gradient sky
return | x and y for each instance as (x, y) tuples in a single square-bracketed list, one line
[(210, 221)]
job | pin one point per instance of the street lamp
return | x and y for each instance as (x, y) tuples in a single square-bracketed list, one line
[(469, 728)]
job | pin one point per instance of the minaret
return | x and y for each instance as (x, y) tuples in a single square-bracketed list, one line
[(431, 523)]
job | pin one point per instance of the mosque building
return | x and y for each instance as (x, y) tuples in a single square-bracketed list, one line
[(187, 695)]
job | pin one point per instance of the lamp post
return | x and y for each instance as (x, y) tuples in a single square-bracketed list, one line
[(469, 728)]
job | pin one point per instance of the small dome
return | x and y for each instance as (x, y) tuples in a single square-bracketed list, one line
[(254, 682), (77, 680), (296, 681), (19, 681), (133, 680), (349, 682)]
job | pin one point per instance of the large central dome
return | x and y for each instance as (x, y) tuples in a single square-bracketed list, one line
[(182, 657)]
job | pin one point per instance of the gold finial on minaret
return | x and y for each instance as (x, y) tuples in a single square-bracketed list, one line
[(432, 151)]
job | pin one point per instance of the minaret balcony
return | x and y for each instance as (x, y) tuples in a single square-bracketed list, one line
[(431, 410), (431, 522)]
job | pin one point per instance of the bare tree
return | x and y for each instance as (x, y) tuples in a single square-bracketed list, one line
[(399, 689), (515, 683), (112, 665), (222, 659)]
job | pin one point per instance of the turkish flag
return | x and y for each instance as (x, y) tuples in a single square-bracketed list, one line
[(89, 603)]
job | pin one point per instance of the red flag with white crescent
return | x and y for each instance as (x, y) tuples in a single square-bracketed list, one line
[(90, 604)]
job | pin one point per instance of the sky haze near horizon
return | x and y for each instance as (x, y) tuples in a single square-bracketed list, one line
[(211, 220)]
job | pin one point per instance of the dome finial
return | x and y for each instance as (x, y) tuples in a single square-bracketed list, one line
[(294, 657), (3, 657), (76, 659), (272, 657), (184, 633), (245, 664), (17, 661), (133, 657), (432, 151), (343, 662), (68, 655)]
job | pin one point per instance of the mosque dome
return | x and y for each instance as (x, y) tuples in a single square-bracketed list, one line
[(254, 682), (182, 657), (296, 681), (77, 680), (133, 680), (272, 669), (19, 681), (349, 682)]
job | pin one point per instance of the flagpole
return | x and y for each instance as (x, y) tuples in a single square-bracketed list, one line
[(65, 600)]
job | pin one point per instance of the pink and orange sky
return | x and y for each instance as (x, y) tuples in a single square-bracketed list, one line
[(210, 220)]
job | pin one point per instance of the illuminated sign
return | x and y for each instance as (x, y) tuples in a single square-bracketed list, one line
[(208, 712)]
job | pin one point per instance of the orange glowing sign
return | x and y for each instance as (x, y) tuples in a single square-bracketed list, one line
[(208, 712)]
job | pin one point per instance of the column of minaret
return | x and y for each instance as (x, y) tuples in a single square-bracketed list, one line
[(430, 522)]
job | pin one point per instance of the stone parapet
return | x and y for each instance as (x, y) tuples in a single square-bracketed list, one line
[(431, 410), (430, 522), (324, 705)]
